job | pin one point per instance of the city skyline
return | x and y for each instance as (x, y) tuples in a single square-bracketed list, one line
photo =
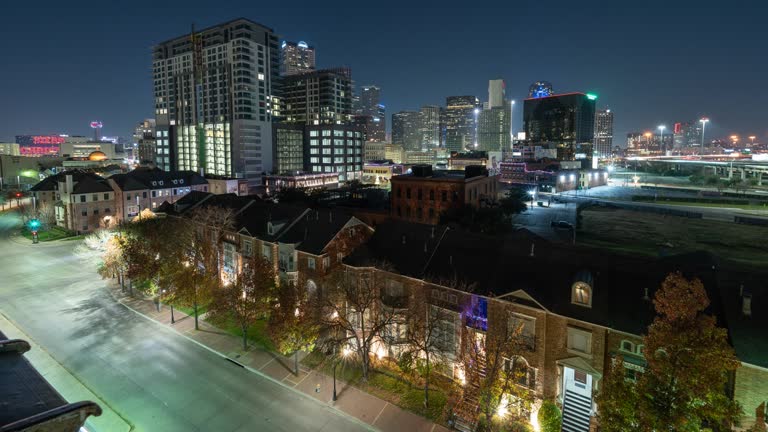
[(657, 83)]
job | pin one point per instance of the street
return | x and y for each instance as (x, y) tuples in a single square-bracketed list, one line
[(151, 376)]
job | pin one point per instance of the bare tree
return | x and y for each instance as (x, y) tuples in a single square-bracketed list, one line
[(426, 334), (350, 313)]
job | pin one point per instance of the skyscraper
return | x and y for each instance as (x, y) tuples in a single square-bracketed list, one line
[(144, 141), (496, 93), (212, 93), (460, 122), (296, 58), (493, 129), (431, 136), (604, 133), (370, 105), (406, 129), (540, 89), (318, 97), (687, 134), (567, 120)]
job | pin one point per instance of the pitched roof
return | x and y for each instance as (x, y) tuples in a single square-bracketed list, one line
[(505, 267), (267, 220), (154, 178), (316, 228), (51, 183)]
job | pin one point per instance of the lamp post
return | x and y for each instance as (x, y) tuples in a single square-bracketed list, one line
[(703, 121), (661, 138), (752, 138)]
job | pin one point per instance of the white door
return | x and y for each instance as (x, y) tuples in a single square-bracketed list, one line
[(577, 381)]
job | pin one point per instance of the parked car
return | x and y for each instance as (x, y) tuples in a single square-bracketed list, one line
[(562, 225)]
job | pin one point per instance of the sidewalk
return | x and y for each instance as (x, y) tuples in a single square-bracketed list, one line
[(370, 410), (64, 382)]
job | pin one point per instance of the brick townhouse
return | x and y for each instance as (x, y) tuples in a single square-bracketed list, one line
[(578, 310)]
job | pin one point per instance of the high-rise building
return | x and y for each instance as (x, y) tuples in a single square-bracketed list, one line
[(687, 134), (604, 133), (496, 93), (566, 120), (212, 94), (144, 141), (406, 129), (540, 89), (493, 129), (317, 97), (370, 105), (460, 122), (334, 148), (431, 135), (296, 58)]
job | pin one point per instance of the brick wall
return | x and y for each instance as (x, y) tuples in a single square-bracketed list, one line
[(751, 389)]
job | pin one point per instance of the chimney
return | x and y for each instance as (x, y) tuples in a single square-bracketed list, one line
[(746, 305), (69, 186), (645, 294)]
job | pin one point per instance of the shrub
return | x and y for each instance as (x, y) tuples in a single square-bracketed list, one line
[(550, 418)]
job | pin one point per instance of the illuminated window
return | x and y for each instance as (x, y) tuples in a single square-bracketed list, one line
[(581, 294)]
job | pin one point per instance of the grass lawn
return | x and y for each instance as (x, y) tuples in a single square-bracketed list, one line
[(626, 231), (48, 234), (257, 333)]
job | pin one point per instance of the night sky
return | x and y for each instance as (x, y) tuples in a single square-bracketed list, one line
[(66, 64)]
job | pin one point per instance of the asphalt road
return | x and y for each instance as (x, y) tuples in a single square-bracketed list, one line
[(153, 377)]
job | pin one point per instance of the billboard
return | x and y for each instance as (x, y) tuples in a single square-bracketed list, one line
[(39, 145)]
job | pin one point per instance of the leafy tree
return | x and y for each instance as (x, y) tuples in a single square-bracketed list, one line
[(348, 312), (689, 360), (292, 326), (618, 400), (114, 264), (514, 202), (241, 301), (688, 364), (197, 269)]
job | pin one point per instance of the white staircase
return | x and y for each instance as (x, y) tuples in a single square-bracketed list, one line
[(576, 412)]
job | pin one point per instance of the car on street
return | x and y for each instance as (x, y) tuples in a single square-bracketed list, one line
[(562, 225)]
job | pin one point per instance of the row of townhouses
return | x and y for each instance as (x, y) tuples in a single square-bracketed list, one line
[(82, 201), (578, 309)]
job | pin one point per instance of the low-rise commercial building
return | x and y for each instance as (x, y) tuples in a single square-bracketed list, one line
[(380, 173), (300, 180), (425, 194)]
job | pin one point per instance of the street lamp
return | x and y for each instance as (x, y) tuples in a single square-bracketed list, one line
[(752, 138), (661, 137), (532, 193), (703, 121), (735, 139)]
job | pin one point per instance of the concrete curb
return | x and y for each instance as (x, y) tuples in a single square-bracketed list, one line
[(248, 368)]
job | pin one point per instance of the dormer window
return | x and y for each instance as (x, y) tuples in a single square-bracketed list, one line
[(581, 294), (627, 346)]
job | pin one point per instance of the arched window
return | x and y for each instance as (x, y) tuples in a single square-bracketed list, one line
[(581, 294), (523, 373), (627, 346)]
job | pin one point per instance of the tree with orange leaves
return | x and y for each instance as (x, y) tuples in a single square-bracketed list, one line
[(689, 361)]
